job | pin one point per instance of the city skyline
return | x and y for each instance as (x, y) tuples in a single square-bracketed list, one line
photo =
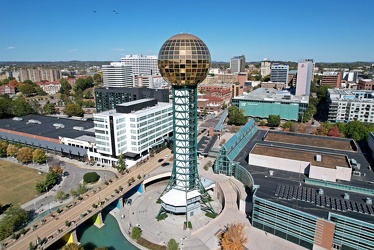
[(332, 31)]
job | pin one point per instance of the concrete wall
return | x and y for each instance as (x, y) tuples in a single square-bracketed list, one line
[(279, 163)]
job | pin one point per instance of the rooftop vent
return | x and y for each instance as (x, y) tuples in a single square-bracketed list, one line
[(78, 128), (17, 119), (271, 172), (318, 158), (32, 121), (58, 125)]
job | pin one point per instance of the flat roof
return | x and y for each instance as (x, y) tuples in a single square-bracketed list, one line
[(327, 160), (46, 128), (268, 184), (264, 94), (313, 141)]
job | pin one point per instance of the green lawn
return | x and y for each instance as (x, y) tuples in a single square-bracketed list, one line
[(17, 183)]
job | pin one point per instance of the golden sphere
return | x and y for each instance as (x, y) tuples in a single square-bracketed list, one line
[(184, 60)]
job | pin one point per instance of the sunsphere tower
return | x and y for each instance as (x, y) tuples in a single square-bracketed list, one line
[(184, 61)]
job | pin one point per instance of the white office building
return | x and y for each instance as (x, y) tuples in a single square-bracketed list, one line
[(304, 77), (132, 129), (117, 75), (279, 73), (347, 105), (142, 65)]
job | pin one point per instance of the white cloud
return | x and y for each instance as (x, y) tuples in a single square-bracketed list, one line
[(11, 47), (72, 50)]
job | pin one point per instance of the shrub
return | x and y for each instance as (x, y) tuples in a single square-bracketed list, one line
[(172, 244), (136, 232), (161, 217), (91, 177), (210, 215)]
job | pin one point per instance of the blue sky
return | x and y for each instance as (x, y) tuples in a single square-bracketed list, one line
[(288, 30)]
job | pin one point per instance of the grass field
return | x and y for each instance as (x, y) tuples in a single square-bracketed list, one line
[(17, 183)]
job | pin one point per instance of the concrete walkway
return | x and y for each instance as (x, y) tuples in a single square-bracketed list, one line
[(144, 209)]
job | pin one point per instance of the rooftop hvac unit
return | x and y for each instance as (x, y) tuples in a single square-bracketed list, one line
[(346, 196), (17, 119), (369, 201), (320, 191), (318, 158), (271, 172), (58, 125), (78, 128)]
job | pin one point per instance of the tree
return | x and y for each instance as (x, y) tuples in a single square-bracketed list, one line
[(60, 196), (82, 188), (73, 110), (39, 156), (287, 125), (26, 89), (24, 155), (5, 103), (274, 120), (72, 246), (65, 87), (341, 126), (334, 131), (234, 237), (88, 94), (49, 109), (79, 84), (121, 164), (12, 150), (3, 149), (73, 193), (90, 177), (356, 130), (97, 78), (14, 218), (20, 107), (172, 244), (136, 233), (236, 116)]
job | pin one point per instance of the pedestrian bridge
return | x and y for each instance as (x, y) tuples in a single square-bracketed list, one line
[(56, 226)]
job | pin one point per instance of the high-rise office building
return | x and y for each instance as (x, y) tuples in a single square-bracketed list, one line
[(141, 65), (265, 67), (237, 64), (117, 75), (279, 73), (304, 77)]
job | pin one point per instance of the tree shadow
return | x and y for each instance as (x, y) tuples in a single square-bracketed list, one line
[(5, 207)]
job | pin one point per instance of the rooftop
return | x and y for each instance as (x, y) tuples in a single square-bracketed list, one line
[(46, 127), (319, 205), (263, 94)]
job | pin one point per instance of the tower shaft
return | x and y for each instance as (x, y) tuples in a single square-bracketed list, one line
[(185, 175)]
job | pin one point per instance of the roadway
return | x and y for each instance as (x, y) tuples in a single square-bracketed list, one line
[(58, 222)]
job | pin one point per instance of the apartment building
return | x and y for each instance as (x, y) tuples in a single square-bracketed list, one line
[(348, 105)]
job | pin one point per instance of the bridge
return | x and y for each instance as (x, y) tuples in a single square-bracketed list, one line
[(62, 225)]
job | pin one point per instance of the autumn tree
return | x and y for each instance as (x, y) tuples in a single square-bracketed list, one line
[(12, 150), (39, 156), (3, 149), (234, 237), (334, 131), (24, 155)]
